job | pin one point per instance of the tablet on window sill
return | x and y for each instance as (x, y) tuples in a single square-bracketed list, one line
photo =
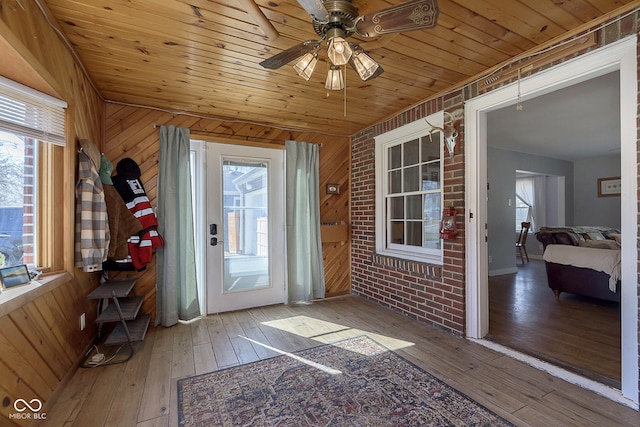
[(14, 276)]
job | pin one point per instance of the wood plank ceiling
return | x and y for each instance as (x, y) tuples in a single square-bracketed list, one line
[(202, 56)]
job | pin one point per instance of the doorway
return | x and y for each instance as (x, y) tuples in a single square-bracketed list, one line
[(621, 57), (240, 212)]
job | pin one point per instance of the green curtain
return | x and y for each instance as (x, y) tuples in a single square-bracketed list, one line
[(304, 247), (176, 287)]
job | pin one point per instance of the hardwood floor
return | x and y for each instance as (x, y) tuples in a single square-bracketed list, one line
[(576, 333), (142, 392)]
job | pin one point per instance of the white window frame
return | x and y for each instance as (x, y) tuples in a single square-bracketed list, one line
[(406, 133)]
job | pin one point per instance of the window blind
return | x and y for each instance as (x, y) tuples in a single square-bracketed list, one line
[(30, 113)]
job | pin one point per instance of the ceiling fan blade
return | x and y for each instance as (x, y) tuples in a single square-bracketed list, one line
[(316, 9), (408, 16), (378, 43), (290, 54)]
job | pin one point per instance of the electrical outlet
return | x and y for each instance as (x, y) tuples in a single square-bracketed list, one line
[(490, 259), (83, 322)]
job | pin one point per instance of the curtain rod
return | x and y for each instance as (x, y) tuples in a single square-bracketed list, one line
[(245, 137)]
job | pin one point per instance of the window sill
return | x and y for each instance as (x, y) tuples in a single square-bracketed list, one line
[(411, 256), (422, 268), (14, 298)]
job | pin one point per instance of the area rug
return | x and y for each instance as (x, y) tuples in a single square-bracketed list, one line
[(355, 382)]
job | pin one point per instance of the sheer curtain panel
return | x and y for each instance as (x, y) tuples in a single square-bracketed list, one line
[(176, 288), (304, 246)]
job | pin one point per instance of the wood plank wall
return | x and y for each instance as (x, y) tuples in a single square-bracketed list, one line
[(40, 341), (40, 338), (130, 132)]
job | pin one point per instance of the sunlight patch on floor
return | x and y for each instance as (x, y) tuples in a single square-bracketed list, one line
[(311, 363), (328, 332)]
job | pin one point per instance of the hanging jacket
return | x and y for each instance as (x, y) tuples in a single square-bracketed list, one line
[(127, 182), (92, 225)]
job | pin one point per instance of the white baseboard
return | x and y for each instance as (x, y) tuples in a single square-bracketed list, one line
[(502, 271), (596, 387)]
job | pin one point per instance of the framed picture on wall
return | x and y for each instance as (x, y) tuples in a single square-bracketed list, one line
[(609, 187)]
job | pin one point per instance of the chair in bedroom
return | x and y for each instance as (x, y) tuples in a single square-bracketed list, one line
[(521, 243)]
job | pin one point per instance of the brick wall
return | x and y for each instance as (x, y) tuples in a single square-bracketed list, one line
[(433, 294), (426, 292)]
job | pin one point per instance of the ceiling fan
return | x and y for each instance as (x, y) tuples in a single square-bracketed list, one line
[(335, 20)]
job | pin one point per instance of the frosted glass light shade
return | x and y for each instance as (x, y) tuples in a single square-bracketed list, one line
[(364, 65), (339, 51), (334, 79), (306, 64)]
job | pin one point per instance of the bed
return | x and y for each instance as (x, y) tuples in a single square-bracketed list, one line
[(582, 260)]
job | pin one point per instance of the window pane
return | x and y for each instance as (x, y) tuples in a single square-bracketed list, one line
[(522, 212), (411, 152), (395, 159), (414, 233), (397, 232), (395, 181), (414, 207), (246, 225), (432, 212), (411, 179), (396, 208), (17, 199), (431, 147), (431, 176)]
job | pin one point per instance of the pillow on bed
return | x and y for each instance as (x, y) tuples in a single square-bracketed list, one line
[(601, 244), (617, 237)]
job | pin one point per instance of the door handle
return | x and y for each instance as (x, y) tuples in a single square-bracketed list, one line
[(214, 241)]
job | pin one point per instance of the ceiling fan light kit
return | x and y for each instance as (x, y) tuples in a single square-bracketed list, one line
[(335, 20), (364, 64), (339, 51), (306, 64), (334, 78)]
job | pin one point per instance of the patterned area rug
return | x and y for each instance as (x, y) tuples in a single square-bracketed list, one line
[(355, 382)]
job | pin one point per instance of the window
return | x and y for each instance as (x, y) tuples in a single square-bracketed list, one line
[(409, 191), (530, 199), (31, 206), (523, 213), (16, 229)]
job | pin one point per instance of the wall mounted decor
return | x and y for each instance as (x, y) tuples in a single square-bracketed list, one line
[(333, 188), (609, 187)]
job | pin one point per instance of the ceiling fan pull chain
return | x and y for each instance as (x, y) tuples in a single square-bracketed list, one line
[(345, 91)]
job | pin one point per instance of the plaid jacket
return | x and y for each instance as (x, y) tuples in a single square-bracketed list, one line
[(92, 225)]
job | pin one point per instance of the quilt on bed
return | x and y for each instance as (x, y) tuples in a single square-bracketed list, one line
[(606, 260)]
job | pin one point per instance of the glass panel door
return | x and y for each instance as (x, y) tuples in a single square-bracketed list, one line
[(245, 227)]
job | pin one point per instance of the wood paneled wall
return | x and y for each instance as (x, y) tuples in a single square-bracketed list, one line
[(132, 132), (40, 338)]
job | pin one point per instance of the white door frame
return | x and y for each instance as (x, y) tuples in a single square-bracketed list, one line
[(199, 157), (620, 56)]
